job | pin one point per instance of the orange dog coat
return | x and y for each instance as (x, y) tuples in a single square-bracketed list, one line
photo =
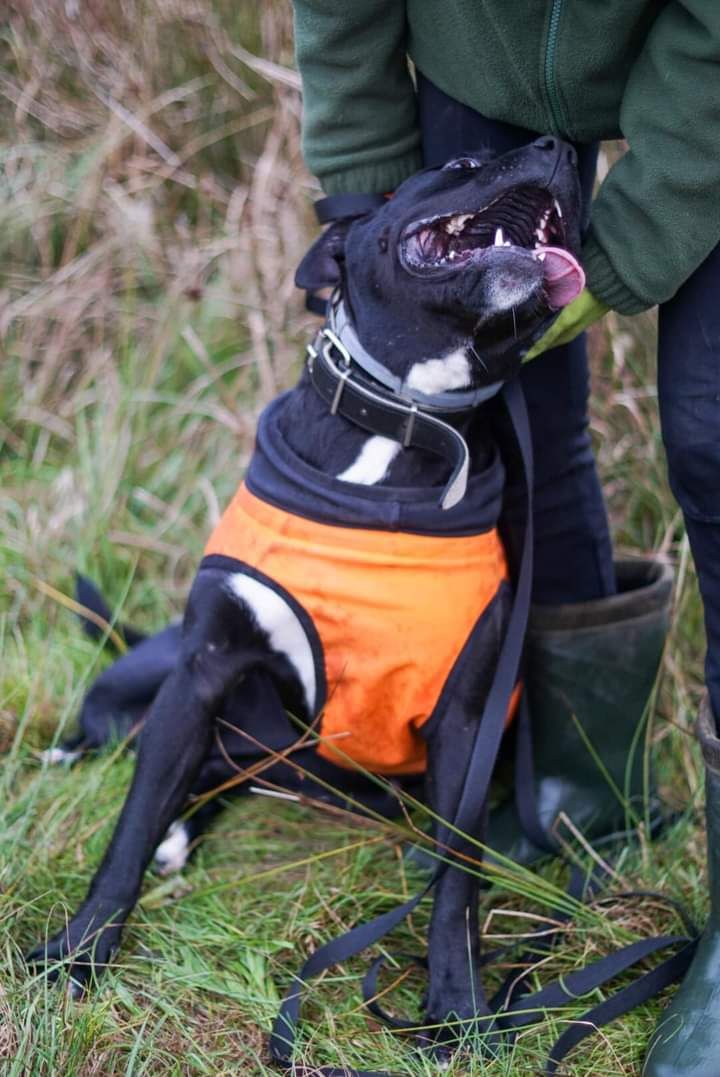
[(392, 613), (388, 588)]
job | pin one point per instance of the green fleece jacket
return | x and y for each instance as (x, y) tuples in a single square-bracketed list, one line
[(644, 70)]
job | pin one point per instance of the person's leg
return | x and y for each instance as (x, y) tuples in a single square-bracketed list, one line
[(573, 551), (687, 1038), (573, 548), (689, 394)]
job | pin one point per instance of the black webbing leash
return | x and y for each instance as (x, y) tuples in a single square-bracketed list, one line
[(475, 787)]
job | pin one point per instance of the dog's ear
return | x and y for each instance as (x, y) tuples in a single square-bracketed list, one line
[(320, 268)]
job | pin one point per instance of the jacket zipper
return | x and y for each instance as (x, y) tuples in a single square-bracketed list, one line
[(549, 70)]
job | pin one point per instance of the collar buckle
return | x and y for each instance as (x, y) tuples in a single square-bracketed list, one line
[(343, 378), (312, 354), (410, 425), (343, 368), (334, 341)]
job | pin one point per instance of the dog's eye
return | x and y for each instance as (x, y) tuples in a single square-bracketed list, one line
[(461, 162)]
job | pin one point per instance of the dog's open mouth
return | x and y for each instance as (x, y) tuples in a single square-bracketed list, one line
[(525, 218)]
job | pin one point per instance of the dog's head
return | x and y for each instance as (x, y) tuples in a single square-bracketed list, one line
[(477, 255)]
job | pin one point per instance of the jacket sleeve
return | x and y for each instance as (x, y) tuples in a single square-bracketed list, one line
[(657, 213), (359, 113)]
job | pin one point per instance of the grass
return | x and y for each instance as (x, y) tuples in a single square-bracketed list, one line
[(153, 205)]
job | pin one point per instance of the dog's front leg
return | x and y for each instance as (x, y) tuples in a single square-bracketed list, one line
[(171, 749), (455, 993)]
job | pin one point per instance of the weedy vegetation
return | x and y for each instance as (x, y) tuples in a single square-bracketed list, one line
[(153, 206)]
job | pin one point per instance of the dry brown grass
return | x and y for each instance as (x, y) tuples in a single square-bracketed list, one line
[(167, 169)]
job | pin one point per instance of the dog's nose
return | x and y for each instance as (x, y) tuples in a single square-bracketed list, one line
[(554, 145), (547, 142)]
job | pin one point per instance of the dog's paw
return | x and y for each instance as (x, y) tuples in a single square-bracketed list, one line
[(448, 1030), (56, 756), (173, 851), (81, 949)]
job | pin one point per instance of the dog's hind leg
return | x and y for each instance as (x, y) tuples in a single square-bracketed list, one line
[(121, 696), (252, 736), (218, 647)]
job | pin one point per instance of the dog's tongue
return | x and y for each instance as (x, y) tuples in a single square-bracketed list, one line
[(564, 277)]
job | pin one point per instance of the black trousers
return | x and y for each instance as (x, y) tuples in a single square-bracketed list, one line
[(573, 552)]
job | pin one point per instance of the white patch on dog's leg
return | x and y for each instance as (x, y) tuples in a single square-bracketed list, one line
[(172, 852), (440, 375), (373, 461), (283, 627), (54, 756)]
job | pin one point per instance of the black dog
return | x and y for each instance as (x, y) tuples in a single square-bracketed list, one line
[(440, 291)]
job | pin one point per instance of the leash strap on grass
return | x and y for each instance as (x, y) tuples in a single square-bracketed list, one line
[(475, 787), (527, 1009), (641, 990), (370, 992)]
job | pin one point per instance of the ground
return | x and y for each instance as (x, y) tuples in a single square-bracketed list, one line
[(153, 205)]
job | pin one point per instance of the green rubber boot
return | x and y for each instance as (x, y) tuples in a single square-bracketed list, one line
[(686, 1042), (590, 669)]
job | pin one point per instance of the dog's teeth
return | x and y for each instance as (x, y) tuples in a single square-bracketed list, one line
[(541, 256), (456, 224), (499, 238), (557, 208)]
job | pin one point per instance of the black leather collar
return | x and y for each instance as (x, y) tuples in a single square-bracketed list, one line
[(369, 405), (451, 403)]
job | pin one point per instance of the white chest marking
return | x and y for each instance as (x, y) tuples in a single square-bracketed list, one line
[(283, 627), (372, 463), (439, 375)]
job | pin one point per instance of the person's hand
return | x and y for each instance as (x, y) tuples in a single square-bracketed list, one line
[(571, 321)]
